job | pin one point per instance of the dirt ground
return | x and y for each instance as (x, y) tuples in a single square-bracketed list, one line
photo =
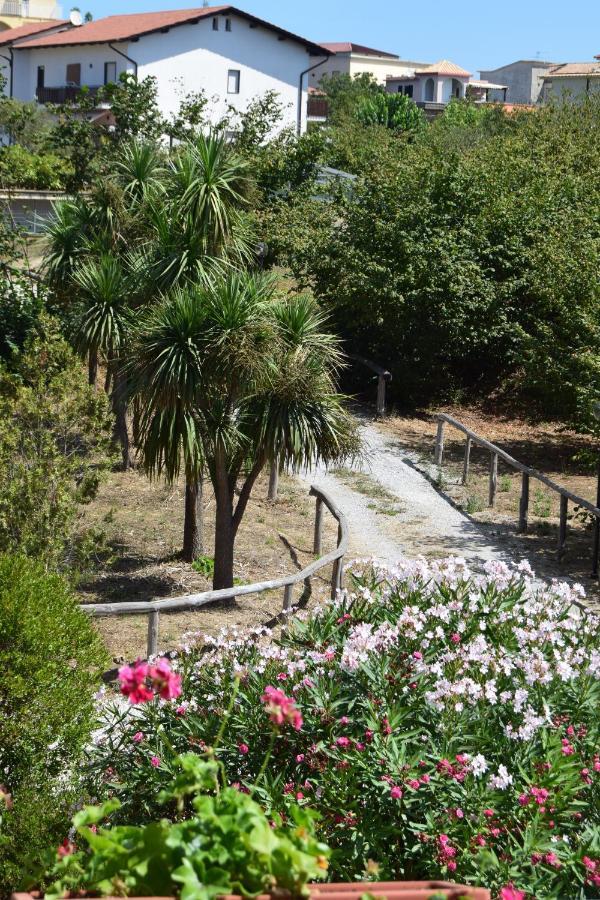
[(545, 447), (142, 524)]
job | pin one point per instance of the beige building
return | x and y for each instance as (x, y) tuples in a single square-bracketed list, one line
[(571, 80), (15, 13), (352, 59)]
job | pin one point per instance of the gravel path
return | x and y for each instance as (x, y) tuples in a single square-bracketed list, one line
[(393, 510)]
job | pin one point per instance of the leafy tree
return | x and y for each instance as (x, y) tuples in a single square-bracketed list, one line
[(21, 306), (134, 107), (395, 111), (344, 94), (226, 372)]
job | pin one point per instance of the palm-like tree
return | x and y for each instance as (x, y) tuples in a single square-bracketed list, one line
[(103, 289), (246, 378)]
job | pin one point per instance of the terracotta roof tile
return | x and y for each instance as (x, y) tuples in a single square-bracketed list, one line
[(444, 67), (584, 68), (350, 47), (134, 25), (23, 31)]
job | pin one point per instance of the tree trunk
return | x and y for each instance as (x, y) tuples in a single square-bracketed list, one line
[(92, 367), (120, 431), (193, 543), (224, 539)]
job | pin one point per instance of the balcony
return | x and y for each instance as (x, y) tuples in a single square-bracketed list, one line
[(30, 9), (68, 93), (318, 108)]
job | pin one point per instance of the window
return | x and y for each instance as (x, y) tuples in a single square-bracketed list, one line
[(110, 72), (215, 24), (408, 90), (41, 77), (233, 81), (227, 24), (74, 74)]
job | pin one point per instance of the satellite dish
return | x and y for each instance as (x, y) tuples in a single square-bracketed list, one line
[(76, 18)]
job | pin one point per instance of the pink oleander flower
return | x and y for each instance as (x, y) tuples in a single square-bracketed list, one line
[(417, 654), (455, 638), (243, 748), (343, 742), (300, 757), (488, 813), (590, 864), (414, 783), (459, 813), (511, 893), (451, 865), (281, 676), (181, 710), (396, 793), (134, 684), (281, 709), (165, 682), (551, 859), (67, 848), (155, 761), (138, 737)]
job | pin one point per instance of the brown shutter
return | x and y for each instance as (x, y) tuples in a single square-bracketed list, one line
[(74, 73)]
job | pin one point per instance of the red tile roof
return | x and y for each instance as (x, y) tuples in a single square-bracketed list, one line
[(444, 67), (23, 31), (350, 47), (135, 25), (566, 69)]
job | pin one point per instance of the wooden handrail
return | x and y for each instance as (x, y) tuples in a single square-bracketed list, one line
[(153, 608), (527, 472), (383, 377)]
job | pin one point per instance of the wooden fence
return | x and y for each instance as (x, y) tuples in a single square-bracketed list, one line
[(527, 473), (383, 377), (153, 608)]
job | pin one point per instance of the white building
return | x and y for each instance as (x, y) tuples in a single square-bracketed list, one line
[(230, 54), (352, 59), (437, 83), (14, 13)]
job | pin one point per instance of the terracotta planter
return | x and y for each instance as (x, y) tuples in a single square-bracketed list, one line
[(387, 890)]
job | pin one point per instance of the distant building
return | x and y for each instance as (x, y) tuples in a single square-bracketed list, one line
[(14, 13), (524, 81), (352, 59), (437, 83), (571, 80)]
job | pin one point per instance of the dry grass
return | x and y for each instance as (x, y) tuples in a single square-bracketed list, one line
[(142, 524), (546, 447)]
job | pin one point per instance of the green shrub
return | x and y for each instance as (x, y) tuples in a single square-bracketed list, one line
[(21, 168), (50, 664)]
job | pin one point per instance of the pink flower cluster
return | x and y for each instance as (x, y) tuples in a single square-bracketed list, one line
[(142, 681), (592, 871), (281, 709)]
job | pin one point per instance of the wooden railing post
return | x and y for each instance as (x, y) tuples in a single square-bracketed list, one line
[(493, 478), (288, 597), (562, 528), (318, 541), (381, 396), (439, 443), (153, 620), (524, 502), (467, 462), (274, 480)]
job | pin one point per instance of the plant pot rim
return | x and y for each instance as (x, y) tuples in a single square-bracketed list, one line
[(390, 890)]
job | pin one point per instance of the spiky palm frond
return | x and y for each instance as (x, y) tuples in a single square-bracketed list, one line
[(67, 235), (140, 170), (104, 319)]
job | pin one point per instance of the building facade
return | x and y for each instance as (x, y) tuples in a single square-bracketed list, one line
[(14, 13), (231, 55), (524, 81), (352, 59), (437, 83), (571, 81)]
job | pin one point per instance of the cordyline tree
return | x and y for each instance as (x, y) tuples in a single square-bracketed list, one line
[(230, 377), (156, 224)]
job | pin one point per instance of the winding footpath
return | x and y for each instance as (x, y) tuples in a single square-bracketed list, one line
[(393, 510)]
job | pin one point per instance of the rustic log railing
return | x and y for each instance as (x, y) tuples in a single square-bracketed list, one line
[(153, 608), (527, 472), (383, 377)]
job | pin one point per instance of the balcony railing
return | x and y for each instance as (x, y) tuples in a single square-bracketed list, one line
[(318, 108), (65, 94)]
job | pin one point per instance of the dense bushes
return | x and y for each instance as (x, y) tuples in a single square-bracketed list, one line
[(467, 258), (54, 443), (50, 663), (451, 727)]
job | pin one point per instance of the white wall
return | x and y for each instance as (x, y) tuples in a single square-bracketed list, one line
[(380, 67), (193, 57), (184, 59), (55, 61), (570, 88)]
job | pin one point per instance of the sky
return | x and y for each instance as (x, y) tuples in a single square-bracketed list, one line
[(476, 34)]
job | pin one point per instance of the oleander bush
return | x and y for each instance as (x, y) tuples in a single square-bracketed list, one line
[(51, 660), (451, 727)]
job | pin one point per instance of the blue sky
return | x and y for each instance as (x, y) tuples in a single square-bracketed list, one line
[(473, 33)]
